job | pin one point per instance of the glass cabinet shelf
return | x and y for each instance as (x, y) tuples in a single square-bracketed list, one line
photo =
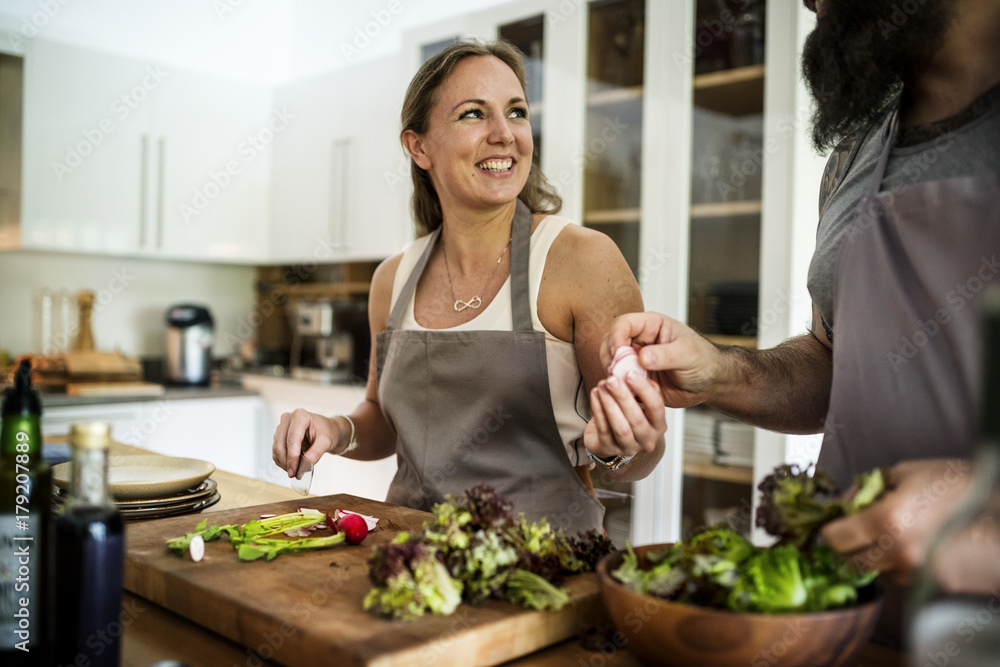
[(702, 467), (726, 209), (611, 216), (736, 92), (749, 342), (611, 96)]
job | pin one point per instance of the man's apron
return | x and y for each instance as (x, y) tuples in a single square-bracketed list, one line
[(907, 352), (474, 406)]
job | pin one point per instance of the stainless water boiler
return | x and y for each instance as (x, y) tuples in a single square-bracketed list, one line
[(190, 334)]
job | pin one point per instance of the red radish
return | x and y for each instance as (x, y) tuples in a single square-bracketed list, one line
[(354, 528)]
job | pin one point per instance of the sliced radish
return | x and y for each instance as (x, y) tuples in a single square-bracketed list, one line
[(370, 521), (197, 548)]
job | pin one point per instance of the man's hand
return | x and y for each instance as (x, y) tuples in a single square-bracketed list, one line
[(893, 535), (683, 364)]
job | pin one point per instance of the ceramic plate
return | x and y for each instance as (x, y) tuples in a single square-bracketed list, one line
[(144, 477)]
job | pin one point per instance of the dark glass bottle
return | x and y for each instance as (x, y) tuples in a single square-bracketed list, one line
[(90, 553), (25, 529), (955, 611)]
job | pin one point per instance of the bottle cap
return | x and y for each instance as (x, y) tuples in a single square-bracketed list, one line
[(90, 435), (22, 397)]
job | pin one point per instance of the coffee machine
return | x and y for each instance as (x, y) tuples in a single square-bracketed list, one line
[(322, 350)]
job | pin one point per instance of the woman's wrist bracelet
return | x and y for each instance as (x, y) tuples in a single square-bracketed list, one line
[(352, 444)]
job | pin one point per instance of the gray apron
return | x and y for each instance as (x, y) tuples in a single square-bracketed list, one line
[(474, 406), (907, 355)]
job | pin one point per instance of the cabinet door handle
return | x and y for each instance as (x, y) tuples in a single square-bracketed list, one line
[(339, 191), (159, 194), (143, 187)]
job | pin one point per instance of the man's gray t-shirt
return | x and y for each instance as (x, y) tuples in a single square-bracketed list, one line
[(967, 144)]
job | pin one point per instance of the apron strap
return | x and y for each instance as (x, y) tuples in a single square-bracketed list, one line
[(520, 249), (399, 309)]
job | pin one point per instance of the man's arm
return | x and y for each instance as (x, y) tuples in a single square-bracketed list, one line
[(785, 388)]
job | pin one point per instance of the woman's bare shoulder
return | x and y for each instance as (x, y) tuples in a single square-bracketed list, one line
[(380, 292)]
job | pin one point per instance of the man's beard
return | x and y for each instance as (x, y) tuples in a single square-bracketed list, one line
[(861, 54)]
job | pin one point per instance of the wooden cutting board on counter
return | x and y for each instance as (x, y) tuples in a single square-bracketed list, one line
[(306, 609)]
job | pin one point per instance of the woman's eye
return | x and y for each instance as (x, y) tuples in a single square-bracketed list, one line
[(471, 113), (519, 112)]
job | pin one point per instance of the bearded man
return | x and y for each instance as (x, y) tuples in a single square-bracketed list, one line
[(908, 96)]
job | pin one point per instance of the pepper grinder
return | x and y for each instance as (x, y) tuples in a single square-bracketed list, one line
[(84, 335)]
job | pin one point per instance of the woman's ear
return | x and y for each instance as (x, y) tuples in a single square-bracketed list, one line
[(414, 145)]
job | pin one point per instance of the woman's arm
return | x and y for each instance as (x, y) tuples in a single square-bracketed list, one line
[(585, 286)]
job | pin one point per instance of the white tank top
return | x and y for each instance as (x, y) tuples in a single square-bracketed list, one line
[(569, 404)]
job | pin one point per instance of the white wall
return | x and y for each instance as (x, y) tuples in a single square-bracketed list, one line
[(133, 296)]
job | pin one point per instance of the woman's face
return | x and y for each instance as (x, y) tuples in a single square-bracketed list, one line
[(478, 144)]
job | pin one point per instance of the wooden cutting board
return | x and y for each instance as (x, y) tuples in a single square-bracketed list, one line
[(306, 609)]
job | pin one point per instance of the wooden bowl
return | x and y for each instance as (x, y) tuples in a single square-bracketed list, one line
[(660, 632)]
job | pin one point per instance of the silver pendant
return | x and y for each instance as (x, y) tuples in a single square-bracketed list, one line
[(474, 302)]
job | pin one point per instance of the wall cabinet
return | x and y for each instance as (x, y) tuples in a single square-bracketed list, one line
[(126, 157), (341, 179)]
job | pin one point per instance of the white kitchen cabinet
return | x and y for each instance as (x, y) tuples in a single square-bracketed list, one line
[(333, 474), (86, 147), (212, 167), (127, 157), (228, 432), (340, 177)]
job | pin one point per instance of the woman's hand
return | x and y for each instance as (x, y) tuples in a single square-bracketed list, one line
[(303, 433), (628, 417)]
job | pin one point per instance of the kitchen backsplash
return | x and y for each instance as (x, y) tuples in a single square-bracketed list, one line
[(132, 297)]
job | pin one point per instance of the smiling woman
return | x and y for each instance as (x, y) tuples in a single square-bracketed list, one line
[(486, 330)]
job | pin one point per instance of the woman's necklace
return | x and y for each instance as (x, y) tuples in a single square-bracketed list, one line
[(476, 301)]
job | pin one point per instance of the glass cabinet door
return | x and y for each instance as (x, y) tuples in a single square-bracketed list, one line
[(612, 170), (529, 35), (725, 240), (613, 126)]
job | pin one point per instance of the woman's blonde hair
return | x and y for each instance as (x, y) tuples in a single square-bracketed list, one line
[(421, 97)]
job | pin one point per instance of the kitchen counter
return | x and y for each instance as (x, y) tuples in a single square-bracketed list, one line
[(153, 634), (169, 394)]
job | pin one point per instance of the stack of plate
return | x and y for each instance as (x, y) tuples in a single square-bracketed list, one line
[(735, 444), (700, 432), (150, 487)]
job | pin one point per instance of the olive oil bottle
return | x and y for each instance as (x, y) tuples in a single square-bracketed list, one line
[(90, 555), (25, 528)]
